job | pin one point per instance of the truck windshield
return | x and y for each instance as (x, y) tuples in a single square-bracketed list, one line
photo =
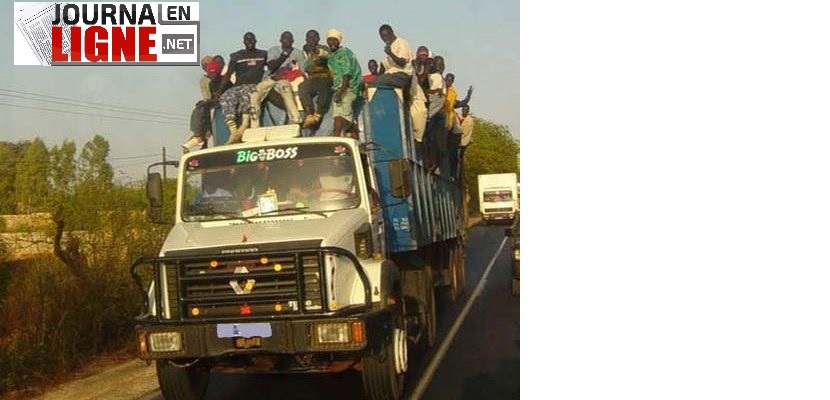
[(496, 196), (265, 181)]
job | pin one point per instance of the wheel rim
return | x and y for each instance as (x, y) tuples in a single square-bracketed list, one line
[(400, 351)]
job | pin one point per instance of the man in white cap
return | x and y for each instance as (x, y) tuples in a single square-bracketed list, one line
[(346, 79)]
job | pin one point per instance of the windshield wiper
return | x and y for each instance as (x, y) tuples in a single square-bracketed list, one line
[(302, 210), (231, 214)]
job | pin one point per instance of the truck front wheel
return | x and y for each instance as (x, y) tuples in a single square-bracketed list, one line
[(383, 373), (181, 383)]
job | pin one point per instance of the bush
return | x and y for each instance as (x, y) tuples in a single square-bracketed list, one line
[(52, 320)]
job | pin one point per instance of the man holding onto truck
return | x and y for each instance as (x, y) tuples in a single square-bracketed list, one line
[(345, 71)]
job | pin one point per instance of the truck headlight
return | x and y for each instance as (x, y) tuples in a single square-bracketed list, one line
[(516, 254), (349, 333), (333, 333), (165, 342)]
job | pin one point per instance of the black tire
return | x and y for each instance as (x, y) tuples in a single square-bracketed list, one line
[(515, 289), (181, 383), (449, 293), (382, 378)]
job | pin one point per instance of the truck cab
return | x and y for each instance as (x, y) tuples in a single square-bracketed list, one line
[(498, 197)]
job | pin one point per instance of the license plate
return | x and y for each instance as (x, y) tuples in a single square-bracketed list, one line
[(247, 343), (243, 330)]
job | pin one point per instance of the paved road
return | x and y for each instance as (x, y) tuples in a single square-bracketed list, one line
[(481, 362)]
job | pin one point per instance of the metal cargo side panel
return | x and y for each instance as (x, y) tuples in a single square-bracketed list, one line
[(387, 125), (386, 129)]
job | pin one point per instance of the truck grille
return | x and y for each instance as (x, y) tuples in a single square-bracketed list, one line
[(502, 209), (246, 286)]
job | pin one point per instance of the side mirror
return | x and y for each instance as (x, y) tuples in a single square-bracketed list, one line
[(508, 232), (154, 196), (400, 178)]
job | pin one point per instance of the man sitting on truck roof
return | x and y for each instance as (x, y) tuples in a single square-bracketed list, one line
[(319, 80), (283, 63), (345, 71), (248, 65), (398, 60), (202, 115)]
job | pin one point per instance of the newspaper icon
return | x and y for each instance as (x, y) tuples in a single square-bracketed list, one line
[(35, 22)]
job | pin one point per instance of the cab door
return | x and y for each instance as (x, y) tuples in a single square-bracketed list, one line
[(375, 209)]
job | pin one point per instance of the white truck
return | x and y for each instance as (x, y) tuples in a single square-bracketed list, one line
[(303, 255), (497, 195)]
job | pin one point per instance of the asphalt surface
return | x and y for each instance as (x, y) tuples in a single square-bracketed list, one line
[(480, 362)]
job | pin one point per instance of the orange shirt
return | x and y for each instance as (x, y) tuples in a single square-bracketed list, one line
[(449, 106)]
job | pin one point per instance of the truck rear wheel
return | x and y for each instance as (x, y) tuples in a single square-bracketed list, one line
[(383, 373), (457, 276), (181, 383)]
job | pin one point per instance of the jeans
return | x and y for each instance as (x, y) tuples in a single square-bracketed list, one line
[(283, 88), (321, 87), (397, 79)]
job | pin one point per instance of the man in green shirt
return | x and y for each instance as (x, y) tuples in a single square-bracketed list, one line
[(346, 79)]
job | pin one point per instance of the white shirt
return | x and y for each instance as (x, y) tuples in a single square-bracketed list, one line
[(436, 81), (466, 127), (335, 187), (400, 48)]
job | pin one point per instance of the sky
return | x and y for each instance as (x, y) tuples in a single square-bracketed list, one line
[(478, 39)]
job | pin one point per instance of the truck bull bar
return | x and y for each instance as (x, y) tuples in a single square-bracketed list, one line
[(199, 281)]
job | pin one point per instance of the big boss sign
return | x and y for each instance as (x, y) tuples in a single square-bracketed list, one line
[(125, 33)]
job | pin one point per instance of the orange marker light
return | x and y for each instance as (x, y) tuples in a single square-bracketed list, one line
[(214, 263), (278, 267), (194, 311), (278, 307), (244, 310), (357, 331), (263, 260)]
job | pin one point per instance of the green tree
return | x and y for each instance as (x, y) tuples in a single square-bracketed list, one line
[(31, 178), (8, 160), (62, 170), (94, 168), (492, 151)]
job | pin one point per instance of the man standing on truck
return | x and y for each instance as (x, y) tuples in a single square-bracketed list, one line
[(398, 60), (318, 82), (248, 64), (465, 126), (345, 71)]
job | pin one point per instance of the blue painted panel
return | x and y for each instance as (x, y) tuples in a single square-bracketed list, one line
[(221, 133), (385, 121), (432, 212)]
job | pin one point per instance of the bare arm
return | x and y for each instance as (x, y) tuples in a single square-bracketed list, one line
[(466, 101), (274, 64)]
